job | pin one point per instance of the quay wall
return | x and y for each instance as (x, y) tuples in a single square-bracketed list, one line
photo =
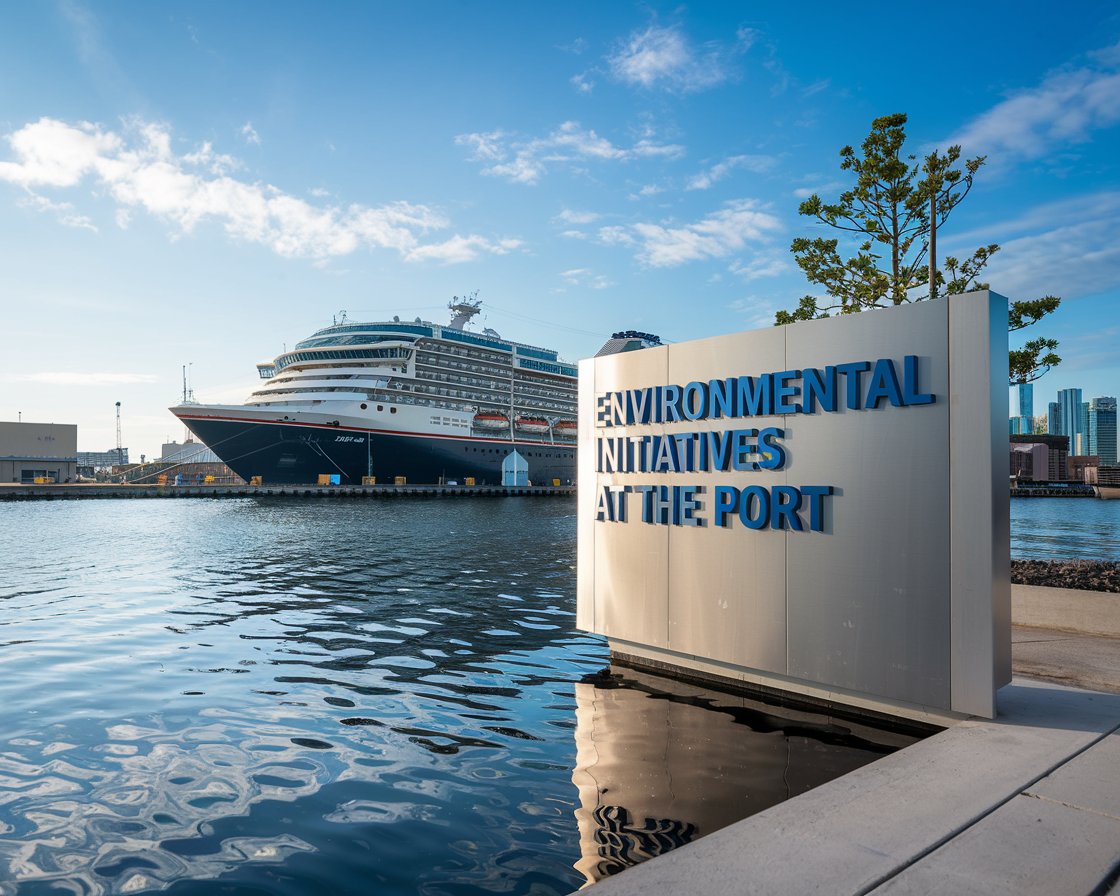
[(101, 490), (1066, 609)]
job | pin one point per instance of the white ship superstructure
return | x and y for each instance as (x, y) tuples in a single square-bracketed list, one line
[(390, 398)]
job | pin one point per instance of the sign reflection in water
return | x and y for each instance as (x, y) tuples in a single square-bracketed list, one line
[(660, 763), (335, 696)]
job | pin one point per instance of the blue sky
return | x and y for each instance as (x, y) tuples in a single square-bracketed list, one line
[(204, 183)]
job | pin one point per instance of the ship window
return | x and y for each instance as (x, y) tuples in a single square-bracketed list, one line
[(392, 410), (380, 407), (363, 405)]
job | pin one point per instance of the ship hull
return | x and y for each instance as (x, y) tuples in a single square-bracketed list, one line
[(295, 453)]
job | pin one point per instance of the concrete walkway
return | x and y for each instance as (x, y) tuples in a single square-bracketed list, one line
[(1084, 661), (1026, 804)]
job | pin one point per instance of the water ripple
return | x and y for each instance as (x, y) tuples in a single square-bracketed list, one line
[(293, 697)]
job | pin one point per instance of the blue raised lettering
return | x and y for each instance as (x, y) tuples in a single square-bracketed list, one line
[(910, 392), (726, 503), (851, 371), (784, 389), (744, 446), (695, 401), (816, 495), (721, 396), (758, 497), (772, 451), (690, 504), (753, 396), (819, 386), (884, 384), (783, 514)]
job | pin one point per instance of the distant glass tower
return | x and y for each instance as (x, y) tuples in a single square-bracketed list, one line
[(1070, 416), (1054, 419), (1102, 429), (1022, 422)]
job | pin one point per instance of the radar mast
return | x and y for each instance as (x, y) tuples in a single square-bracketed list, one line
[(463, 309)]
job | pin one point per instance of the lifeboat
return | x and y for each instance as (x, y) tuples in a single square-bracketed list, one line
[(531, 424), (566, 428), (491, 420)]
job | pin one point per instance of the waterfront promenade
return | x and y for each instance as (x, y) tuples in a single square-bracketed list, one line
[(1027, 803)]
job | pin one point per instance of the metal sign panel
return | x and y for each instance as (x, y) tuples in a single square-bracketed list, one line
[(820, 507)]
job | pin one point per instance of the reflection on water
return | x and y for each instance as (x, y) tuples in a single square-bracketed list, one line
[(660, 763), (300, 697)]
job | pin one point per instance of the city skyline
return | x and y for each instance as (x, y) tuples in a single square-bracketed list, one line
[(185, 185)]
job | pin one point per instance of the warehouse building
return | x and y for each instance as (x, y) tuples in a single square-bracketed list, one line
[(38, 452)]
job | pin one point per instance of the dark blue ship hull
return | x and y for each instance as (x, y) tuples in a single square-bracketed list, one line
[(299, 453)]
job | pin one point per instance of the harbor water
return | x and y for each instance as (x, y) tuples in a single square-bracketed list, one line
[(1065, 529), (332, 696)]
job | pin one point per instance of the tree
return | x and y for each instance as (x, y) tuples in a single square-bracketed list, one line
[(893, 214)]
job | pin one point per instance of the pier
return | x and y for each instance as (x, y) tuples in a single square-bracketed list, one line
[(74, 491)]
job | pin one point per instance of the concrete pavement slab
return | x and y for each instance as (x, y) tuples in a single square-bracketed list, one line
[(1027, 846), (1090, 781), (861, 830)]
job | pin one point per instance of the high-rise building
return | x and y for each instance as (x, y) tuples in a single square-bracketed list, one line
[(1070, 415), (1102, 429), (1023, 407), (1084, 445), (1054, 419)]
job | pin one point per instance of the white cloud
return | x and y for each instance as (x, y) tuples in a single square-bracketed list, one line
[(582, 277), (460, 249), (1073, 260), (571, 216), (1066, 248), (54, 154), (250, 134), (756, 311), (756, 163), (616, 235), (830, 187), (582, 83), (763, 264), (86, 378), (647, 191), (722, 233), (139, 170), (65, 212), (663, 57), (526, 160), (1065, 108)]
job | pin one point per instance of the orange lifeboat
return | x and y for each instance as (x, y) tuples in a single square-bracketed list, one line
[(491, 420)]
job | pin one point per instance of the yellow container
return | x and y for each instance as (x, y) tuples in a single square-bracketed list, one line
[(41, 480), (400, 480), (324, 479), (468, 481), (555, 483), (369, 480), (209, 479), (256, 480)]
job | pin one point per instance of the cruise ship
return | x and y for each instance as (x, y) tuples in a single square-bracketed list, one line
[(388, 399)]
